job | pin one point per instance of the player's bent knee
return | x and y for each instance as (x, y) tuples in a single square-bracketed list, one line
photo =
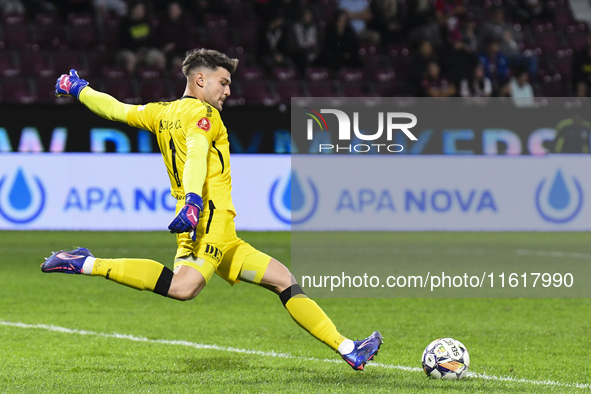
[(184, 294), (186, 284)]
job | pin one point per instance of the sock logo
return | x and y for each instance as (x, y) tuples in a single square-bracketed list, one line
[(213, 252), (108, 273)]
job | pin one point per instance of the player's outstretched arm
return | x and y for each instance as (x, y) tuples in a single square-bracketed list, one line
[(100, 103)]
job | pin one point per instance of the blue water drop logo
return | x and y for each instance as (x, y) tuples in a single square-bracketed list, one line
[(559, 203), (559, 197), (21, 202), (293, 202), (20, 194), (293, 196)]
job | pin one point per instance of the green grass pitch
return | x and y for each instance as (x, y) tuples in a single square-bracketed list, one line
[(516, 345)]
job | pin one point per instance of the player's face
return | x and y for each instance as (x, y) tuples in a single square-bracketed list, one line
[(217, 87)]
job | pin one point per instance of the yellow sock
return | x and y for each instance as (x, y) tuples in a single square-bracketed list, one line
[(141, 274), (311, 317)]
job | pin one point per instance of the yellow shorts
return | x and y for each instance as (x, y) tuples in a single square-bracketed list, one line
[(218, 249)]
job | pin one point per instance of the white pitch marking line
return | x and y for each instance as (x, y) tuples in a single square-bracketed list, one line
[(278, 355), (549, 253)]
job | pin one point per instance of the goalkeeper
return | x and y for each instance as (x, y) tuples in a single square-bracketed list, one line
[(194, 144)]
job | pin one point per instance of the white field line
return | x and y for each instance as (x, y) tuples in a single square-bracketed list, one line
[(280, 355), (549, 253)]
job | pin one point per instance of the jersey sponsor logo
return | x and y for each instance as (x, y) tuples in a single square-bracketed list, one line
[(213, 252), (559, 200), (22, 198), (292, 200), (204, 124)]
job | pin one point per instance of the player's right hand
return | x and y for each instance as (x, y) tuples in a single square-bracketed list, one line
[(188, 217), (70, 84)]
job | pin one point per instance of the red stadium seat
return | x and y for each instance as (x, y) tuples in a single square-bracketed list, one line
[(153, 90), (35, 64), (246, 37), (576, 36), (17, 90), (7, 65), (82, 32), (322, 88), (288, 89), (49, 32), (122, 89), (149, 73), (17, 36), (46, 90), (64, 61), (357, 88), (284, 74), (250, 73), (563, 63), (110, 33), (350, 74), (112, 72), (317, 74), (256, 93), (554, 89)]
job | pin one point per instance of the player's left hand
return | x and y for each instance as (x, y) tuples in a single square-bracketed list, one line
[(70, 84), (188, 217)]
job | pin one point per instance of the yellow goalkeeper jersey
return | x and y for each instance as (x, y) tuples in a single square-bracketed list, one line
[(172, 123)]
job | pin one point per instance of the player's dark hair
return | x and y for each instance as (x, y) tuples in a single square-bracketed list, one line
[(208, 58)]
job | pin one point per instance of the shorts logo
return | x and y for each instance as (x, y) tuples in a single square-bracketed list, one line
[(204, 124), (22, 199), (559, 200), (213, 252), (293, 201)]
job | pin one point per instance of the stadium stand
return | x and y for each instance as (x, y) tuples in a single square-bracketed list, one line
[(47, 40)]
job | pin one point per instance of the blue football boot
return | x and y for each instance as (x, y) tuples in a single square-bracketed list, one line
[(364, 351), (67, 262)]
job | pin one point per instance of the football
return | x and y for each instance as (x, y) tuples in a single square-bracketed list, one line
[(446, 358)]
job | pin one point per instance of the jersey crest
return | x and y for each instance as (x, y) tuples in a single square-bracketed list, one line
[(204, 124)]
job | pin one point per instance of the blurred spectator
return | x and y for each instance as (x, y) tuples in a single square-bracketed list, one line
[(510, 38), (275, 42), (360, 15), (387, 19), (200, 8), (448, 14), (477, 85), (306, 40), (420, 12), (434, 85), (581, 70), (456, 59), (172, 35), (469, 37), (528, 10), (136, 36), (495, 65), (341, 48), (572, 135), (290, 9), (102, 8), (12, 7), (419, 64), (65, 7), (520, 90)]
